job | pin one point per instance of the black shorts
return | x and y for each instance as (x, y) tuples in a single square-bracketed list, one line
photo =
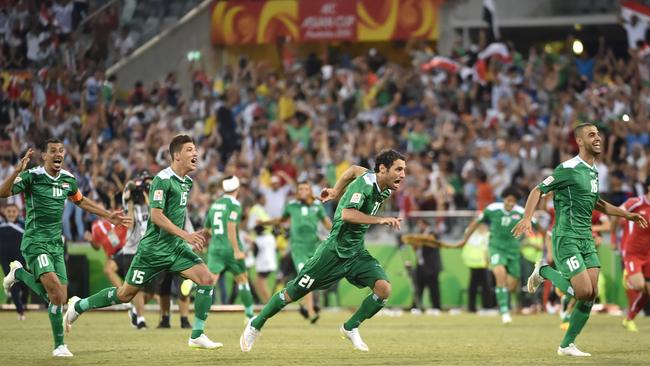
[(167, 284), (263, 274), (123, 263)]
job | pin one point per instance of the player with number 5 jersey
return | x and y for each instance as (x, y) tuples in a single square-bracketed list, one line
[(342, 254), (575, 187), (46, 189), (165, 246)]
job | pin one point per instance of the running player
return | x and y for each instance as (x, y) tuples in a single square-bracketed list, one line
[(636, 257), (226, 250), (46, 189), (305, 213), (342, 254), (164, 246), (503, 246), (575, 183)]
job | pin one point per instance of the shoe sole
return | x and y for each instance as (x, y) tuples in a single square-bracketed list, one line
[(242, 344), (196, 346)]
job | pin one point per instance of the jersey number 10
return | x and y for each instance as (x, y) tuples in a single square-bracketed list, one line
[(57, 191)]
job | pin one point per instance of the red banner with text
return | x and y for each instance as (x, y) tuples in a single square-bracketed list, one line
[(237, 22)]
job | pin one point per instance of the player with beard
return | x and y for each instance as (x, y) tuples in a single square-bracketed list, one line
[(575, 187), (46, 190), (342, 254), (164, 246)]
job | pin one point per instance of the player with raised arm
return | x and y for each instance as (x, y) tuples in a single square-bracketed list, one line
[(46, 190), (636, 257), (164, 246), (304, 214), (503, 247), (575, 187), (342, 254), (225, 249)]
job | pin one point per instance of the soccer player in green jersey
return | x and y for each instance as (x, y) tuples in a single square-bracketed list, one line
[(226, 250), (304, 213), (575, 187), (46, 190), (164, 246), (503, 246), (342, 254)]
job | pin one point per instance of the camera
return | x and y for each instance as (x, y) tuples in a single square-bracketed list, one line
[(137, 190)]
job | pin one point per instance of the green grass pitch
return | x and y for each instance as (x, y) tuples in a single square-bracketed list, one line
[(106, 338)]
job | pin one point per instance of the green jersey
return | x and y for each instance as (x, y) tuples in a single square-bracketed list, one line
[(170, 193), (362, 194), (575, 187), (304, 220), (501, 224), (224, 210), (45, 198)]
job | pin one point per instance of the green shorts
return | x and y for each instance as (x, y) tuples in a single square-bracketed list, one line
[(147, 264), (325, 268), (508, 259), (220, 260), (572, 255), (45, 256), (301, 253)]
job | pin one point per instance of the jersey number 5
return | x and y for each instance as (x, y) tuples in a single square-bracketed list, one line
[(217, 224)]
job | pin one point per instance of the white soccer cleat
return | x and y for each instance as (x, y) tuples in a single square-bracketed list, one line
[(71, 314), (506, 319), (62, 351), (10, 278), (535, 279), (571, 350), (247, 338), (354, 336), (203, 342), (186, 287)]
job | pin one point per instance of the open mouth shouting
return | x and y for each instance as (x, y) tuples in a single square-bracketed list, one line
[(57, 162)]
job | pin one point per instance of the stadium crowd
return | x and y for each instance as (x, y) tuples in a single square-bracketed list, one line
[(471, 125)]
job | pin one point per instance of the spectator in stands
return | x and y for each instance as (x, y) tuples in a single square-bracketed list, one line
[(11, 232)]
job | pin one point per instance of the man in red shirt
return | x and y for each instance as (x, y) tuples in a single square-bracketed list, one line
[(111, 238), (636, 257)]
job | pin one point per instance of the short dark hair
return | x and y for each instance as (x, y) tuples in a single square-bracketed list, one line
[(511, 191), (387, 158), (302, 182), (578, 129), (177, 143), (50, 141)]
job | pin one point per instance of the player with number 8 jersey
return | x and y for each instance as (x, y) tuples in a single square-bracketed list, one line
[(343, 254)]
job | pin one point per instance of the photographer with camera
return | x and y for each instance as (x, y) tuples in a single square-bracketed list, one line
[(135, 201)]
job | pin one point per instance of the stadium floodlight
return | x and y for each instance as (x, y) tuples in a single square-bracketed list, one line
[(578, 47)]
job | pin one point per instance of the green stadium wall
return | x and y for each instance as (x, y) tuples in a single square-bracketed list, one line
[(453, 279)]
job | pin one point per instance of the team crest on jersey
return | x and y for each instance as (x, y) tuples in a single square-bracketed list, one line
[(548, 180), (233, 215), (65, 185), (18, 180), (158, 195), (356, 198), (516, 217)]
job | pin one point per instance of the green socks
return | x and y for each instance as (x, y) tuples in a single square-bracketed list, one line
[(29, 280), (56, 321), (579, 318), (502, 299), (102, 299), (275, 304), (246, 298), (558, 280), (369, 307), (202, 303)]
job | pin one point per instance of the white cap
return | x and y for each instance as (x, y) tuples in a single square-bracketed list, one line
[(230, 184)]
